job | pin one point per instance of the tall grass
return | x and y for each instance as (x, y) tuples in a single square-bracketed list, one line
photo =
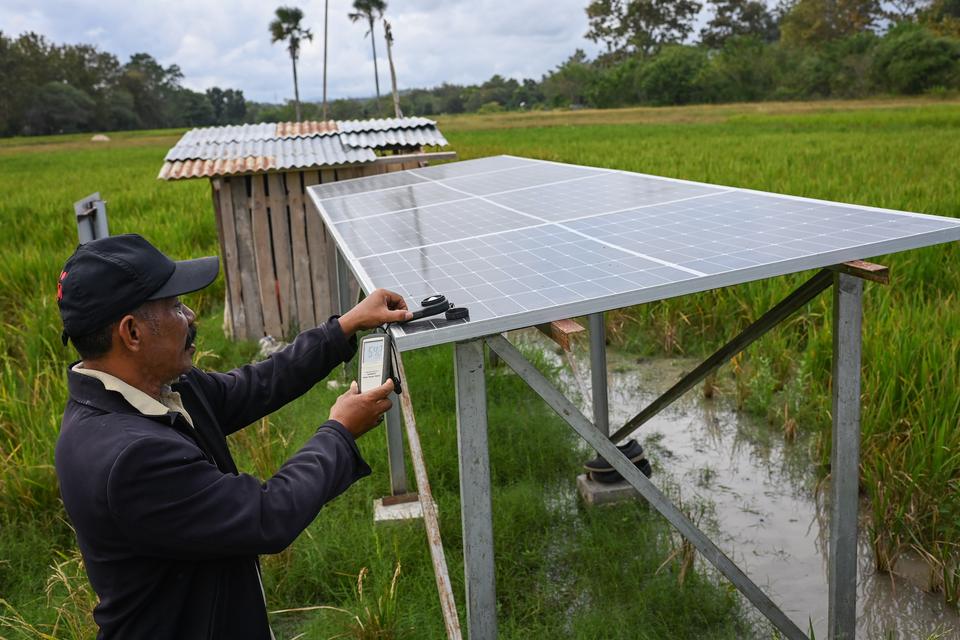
[(561, 571), (898, 155)]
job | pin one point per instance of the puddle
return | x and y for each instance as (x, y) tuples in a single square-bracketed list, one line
[(762, 497)]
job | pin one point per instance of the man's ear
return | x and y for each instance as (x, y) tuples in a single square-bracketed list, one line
[(130, 331)]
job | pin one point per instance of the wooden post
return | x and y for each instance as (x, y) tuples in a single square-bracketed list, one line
[(266, 277), (319, 259), (282, 246), (223, 210), (246, 257), (302, 280)]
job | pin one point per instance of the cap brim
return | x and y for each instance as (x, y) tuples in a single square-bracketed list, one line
[(189, 275)]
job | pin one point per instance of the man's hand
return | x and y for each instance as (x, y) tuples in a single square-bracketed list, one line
[(360, 412), (378, 308)]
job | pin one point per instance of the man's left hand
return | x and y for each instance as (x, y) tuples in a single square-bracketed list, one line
[(378, 308)]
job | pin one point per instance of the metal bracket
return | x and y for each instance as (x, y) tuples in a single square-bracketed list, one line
[(91, 215), (801, 296)]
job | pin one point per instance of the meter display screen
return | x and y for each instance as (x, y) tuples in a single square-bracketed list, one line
[(373, 350)]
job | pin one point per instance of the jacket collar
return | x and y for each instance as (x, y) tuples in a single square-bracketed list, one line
[(90, 391)]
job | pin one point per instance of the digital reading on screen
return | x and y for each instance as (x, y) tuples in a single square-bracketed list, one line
[(374, 363)]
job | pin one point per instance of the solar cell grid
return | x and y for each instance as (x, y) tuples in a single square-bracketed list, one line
[(473, 167), (417, 227), (365, 184), (524, 177), (521, 241), (404, 198)]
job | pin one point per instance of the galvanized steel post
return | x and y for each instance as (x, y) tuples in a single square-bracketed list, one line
[(579, 423), (394, 430), (91, 218), (343, 284), (845, 456), (598, 372), (398, 472), (475, 502)]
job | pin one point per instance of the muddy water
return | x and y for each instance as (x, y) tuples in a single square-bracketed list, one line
[(759, 495)]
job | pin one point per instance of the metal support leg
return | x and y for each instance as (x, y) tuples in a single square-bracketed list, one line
[(801, 296), (475, 504), (343, 284), (579, 423), (598, 372), (845, 456), (398, 472)]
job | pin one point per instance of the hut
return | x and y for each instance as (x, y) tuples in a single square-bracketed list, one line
[(278, 258)]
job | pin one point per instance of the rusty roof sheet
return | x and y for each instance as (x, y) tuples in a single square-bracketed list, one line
[(262, 131), (257, 156), (419, 137), (256, 148), (384, 124)]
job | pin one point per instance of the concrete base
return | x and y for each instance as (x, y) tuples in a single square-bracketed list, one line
[(397, 508), (596, 493)]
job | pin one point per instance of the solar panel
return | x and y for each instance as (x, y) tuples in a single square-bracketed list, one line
[(520, 241)]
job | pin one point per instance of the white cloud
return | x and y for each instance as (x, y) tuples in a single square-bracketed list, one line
[(227, 43)]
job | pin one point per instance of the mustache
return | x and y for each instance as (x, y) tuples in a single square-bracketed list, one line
[(191, 336)]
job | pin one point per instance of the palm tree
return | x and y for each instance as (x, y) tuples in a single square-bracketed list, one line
[(286, 27), (370, 10), (326, 21), (388, 36)]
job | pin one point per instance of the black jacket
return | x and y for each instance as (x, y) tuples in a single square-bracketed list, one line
[(168, 529)]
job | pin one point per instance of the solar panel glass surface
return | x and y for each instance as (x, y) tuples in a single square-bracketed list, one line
[(521, 241)]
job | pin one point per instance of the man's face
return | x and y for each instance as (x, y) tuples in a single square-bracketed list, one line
[(168, 347)]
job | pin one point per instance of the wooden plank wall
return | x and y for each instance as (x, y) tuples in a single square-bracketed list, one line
[(279, 260)]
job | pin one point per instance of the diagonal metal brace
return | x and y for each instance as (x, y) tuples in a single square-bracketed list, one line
[(801, 296), (579, 423)]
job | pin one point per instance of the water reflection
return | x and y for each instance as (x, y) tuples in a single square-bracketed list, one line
[(769, 516)]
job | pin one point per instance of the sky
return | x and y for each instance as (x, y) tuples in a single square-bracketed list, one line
[(227, 44)]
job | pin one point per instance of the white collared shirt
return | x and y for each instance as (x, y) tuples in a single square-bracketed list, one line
[(169, 400)]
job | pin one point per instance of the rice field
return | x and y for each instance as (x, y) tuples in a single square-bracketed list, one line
[(894, 154), (898, 154)]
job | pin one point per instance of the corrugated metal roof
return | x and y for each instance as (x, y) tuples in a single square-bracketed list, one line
[(255, 148), (262, 131), (210, 159), (423, 136), (309, 128), (383, 124)]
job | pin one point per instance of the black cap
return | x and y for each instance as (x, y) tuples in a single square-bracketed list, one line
[(107, 278)]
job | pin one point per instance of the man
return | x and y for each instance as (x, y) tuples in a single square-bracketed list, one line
[(168, 528)]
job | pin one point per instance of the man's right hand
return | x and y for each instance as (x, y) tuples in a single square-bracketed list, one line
[(360, 412)]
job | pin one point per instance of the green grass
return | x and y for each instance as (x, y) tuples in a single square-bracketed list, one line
[(562, 571)]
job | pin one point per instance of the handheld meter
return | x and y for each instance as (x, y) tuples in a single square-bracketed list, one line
[(375, 362)]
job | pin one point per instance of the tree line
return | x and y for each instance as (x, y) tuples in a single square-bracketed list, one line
[(798, 49), (49, 88)]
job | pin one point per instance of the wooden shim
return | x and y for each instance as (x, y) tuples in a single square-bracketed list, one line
[(266, 277), (282, 251), (302, 280), (865, 270), (246, 258), (317, 246), (561, 331)]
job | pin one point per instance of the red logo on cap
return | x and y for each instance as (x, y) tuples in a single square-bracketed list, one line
[(63, 274)]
